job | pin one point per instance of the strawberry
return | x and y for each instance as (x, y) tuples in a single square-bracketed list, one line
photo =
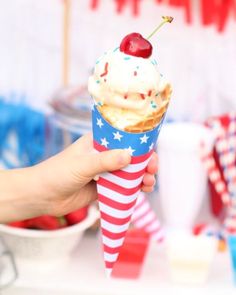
[(45, 222), (20, 224), (77, 216)]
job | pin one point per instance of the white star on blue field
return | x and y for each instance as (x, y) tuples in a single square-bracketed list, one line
[(135, 143)]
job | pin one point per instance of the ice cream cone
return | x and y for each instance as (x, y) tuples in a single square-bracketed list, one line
[(118, 190), (131, 98)]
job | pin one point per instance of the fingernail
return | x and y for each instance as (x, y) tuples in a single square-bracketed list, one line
[(124, 158)]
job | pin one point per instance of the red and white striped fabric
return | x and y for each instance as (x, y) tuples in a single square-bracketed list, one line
[(214, 174), (226, 147), (225, 144), (117, 195), (145, 218)]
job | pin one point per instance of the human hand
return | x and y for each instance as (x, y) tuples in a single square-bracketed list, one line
[(67, 178)]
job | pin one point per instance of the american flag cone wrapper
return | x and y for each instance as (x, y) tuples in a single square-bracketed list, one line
[(118, 190)]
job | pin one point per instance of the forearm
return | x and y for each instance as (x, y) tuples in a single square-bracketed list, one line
[(20, 194)]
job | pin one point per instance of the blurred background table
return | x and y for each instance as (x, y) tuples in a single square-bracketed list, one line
[(84, 274)]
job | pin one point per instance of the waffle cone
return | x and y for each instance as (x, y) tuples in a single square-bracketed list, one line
[(149, 122)]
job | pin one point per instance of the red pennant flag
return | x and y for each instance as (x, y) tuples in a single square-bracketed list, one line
[(176, 2), (186, 4), (223, 13), (188, 7), (234, 8), (120, 5), (94, 4), (208, 12), (135, 4)]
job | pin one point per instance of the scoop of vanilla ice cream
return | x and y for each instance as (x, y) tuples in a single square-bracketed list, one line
[(128, 83)]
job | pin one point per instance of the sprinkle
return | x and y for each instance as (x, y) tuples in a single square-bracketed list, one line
[(105, 70), (149, 92), (100, 103), (154, 106), (98, 61), (137, 67), (126, 58), (115, 49), (125, 96), (157, 94), (154, 62), (142, 95), (97, 81), (105, 80), (135, 73)]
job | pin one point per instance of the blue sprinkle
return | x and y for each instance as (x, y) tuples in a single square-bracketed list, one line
[(137, 67), (154, 62), (126, 58), (97, 62), (97, 81), (115, 49), (154, 106)]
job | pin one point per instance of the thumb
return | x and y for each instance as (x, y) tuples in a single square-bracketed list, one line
[(93, 164)]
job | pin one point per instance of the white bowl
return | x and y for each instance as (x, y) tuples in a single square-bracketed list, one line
[(44, 245)]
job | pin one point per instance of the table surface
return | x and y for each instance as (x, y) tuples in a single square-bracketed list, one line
[(84, 274)]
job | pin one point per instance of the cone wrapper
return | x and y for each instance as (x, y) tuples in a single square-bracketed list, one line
[(118, 190), (145, 218)]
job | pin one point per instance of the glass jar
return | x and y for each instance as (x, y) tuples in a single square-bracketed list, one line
[(70, 117)]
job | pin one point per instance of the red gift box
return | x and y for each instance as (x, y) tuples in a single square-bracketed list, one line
[(132, 255)]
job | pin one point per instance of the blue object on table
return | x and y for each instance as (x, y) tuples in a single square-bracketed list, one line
[(232, 248), (28, 128)]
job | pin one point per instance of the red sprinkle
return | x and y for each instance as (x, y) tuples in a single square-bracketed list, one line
[(142, 95), (105, 70), (135, 73), (125, 96), (149, 92)]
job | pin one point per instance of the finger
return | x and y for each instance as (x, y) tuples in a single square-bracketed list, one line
[(93, 164), (147, 189), (152, 165), (149, 179), (83, 144)]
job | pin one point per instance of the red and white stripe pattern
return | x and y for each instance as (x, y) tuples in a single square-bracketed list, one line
[(117, 195), (145, 218), (225, 147), (214, 174)]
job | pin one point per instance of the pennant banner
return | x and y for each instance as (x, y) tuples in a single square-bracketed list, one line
[(212, 12)]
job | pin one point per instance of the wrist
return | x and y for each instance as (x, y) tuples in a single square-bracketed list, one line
[(20, 195)]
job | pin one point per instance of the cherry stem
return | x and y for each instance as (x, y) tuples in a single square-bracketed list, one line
[(166, 19)]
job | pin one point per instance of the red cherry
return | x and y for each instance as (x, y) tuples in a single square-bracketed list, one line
[(134, 44), (77, 216), (20, 224), (44, 222)]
